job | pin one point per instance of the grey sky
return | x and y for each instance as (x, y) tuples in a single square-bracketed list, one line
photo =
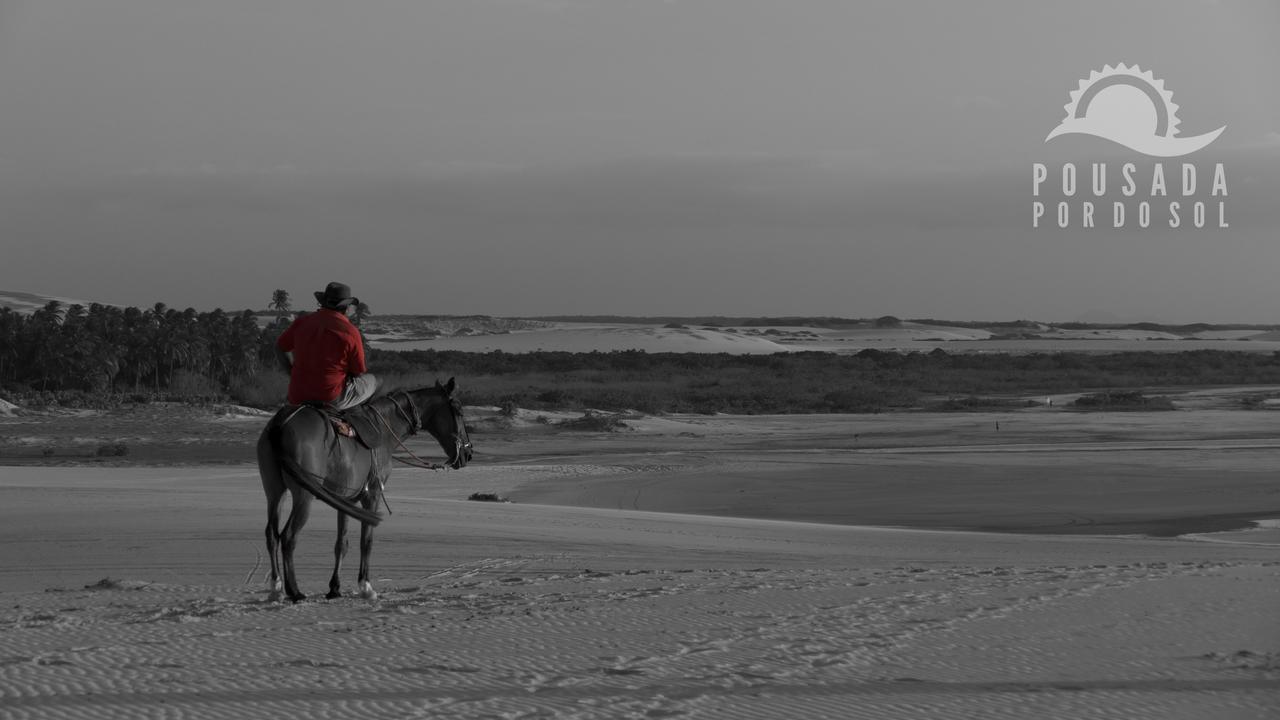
[(628, 156)]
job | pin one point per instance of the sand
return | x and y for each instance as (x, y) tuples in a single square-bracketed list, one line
[(907, 337), (589, 337), (139, 592)]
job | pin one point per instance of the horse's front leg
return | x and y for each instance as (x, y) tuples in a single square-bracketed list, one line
[(339, 552), (366, 548), (376, 484)]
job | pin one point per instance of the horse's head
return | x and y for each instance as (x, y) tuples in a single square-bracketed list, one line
[(440, 414)]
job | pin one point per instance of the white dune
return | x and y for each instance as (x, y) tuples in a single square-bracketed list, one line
[(908, 332), (27, 303), (1112, 334), (136, 592), (601, 338)]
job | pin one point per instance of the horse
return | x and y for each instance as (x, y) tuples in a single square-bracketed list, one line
[(301, 451)]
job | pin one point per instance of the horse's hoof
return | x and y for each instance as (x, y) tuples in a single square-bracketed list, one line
[(333, 594), (274, 596), (367, 592), (298, 598)]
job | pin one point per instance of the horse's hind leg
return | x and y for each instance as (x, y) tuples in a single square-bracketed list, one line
[(339, 552), (289, 539), (274, 586), (273, 486)]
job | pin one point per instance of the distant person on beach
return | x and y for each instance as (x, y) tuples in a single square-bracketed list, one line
[(324, 354)]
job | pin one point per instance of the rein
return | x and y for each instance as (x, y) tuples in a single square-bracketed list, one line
[(415, 424)]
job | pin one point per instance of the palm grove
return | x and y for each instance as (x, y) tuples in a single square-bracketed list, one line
[(103, 349)]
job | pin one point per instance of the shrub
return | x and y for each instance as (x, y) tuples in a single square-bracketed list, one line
[(552, 397), (487, 497), (596, 422), (1127, 400), (187, 385), (974, 403), (508, 408), (263, 389), (112, 450)]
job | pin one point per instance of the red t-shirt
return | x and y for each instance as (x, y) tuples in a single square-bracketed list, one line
[(326, 349)]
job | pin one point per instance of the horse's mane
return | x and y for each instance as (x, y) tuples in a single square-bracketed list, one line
[(388, 392), (395, 389)]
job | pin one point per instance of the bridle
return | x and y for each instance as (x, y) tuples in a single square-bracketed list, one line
[(415, 424), (459, 445)]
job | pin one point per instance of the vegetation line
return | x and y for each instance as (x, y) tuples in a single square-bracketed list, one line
[(101, 355)]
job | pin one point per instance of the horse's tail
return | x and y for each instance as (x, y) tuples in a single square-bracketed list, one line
[(314, 484)]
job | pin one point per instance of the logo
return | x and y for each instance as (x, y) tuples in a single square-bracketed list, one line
[(1129, 106)]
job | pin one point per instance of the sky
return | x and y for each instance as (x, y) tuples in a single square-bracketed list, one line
[(637, 157)]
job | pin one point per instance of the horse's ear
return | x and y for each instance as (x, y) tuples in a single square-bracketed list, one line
[(450, 386)]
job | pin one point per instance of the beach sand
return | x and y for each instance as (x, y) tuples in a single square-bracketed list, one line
[(139, 591)]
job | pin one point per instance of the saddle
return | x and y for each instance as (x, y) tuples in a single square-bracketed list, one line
[(358, 423)]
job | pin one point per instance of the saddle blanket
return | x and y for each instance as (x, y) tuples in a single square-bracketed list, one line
[(357, 423)]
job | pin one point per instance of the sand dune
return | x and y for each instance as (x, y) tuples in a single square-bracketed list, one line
[(599, 337), (1111, 334), (30, 302), (149, 601), (907, 332), (596, 338), (910, 337), (1270, 336)]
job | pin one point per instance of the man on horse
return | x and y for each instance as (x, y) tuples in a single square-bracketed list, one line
[(324, 354)]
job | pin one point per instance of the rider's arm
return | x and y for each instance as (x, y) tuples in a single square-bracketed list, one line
[(355, 356), (284, 347)]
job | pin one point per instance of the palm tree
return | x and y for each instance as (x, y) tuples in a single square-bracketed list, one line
[(215, 327), (195, 347), (74, 350), (280, 303), (362, 312), (135, 342), (244, 344), (160, 340), (42, 340), (104, 325), (12, 325)]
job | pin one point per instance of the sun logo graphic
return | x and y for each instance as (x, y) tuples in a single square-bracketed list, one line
[(1129, 106)]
